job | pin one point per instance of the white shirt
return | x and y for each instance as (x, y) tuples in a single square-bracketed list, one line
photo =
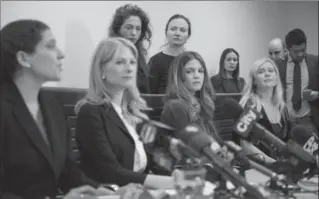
[(140, 158)]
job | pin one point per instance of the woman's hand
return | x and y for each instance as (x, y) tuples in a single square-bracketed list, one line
[(85, 191), (174, 148), (133, 191)]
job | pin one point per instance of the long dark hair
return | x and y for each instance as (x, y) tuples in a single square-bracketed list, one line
[(121, 14), (202, 105), (19, 35)]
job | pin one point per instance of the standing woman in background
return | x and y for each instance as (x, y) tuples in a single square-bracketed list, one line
[(227, 80), (132, 23), (177, 31), (35, 152)]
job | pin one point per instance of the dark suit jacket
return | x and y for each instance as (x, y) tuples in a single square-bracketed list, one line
[(107, 149), (313, 71), (32, 169)]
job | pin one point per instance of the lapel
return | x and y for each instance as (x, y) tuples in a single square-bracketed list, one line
[(53, 128), (110, 112), (282, 67), (27, 122), (310, 66)]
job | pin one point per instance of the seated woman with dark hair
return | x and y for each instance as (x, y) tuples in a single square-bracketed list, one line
[(227, 80), (35, 140), (189, 99)]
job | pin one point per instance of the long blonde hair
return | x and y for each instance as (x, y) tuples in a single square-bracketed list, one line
[(250, 90), (98, 93)]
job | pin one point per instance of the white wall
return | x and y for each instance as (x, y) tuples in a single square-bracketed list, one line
[(245, 26)]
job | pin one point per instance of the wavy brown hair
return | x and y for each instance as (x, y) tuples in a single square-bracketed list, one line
[(202, 104)]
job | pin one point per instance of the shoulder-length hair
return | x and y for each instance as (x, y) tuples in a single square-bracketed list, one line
[(202, 103), (250, 92), (121, 14), (98, 92)]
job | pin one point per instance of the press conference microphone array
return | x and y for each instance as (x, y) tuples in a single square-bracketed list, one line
[(204, 145), (199, 141), (247, 126), (238, 151)]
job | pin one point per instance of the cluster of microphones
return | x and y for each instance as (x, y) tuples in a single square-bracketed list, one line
[(300, 152)]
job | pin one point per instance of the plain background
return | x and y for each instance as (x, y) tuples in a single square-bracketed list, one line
[(245, 26)]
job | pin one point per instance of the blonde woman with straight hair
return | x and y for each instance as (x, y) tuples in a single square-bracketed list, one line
[(109, 116), (264, 92)]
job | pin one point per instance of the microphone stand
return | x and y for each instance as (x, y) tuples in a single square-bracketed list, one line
[(230, 175)]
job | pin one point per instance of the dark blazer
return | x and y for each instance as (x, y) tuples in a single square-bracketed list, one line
[(313, 71), (32, 169), (107, 149)]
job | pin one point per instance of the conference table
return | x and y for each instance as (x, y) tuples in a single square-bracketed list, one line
[(252, 177)]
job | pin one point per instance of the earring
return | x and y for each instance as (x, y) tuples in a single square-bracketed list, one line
[(28, 65), (103, 77)]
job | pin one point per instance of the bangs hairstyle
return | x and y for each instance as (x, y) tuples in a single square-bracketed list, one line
[(98, 92), (250, 92), (200, 103)]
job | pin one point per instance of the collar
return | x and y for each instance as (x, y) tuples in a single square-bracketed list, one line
[(117, 108)]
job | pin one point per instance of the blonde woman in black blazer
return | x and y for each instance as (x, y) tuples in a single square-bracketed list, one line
[(108, 118)]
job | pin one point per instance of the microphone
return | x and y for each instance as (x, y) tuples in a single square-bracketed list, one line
[(206, 146), (262, 169), (148, 135), (249, 127), (246, 124), (308, 140), (304, 141)]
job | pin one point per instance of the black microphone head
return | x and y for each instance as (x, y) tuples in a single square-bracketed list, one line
[(305, 138), (234, 109), (193, 136)]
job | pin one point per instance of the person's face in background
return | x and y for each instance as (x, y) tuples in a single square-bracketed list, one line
[(46, 61), (276, 51), (266, 76), (298, 52), (120, 72), (193, 75), (177, 32), (231, 62), (131, 29)]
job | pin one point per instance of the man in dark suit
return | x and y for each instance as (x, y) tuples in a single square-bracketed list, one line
[(300, 78)]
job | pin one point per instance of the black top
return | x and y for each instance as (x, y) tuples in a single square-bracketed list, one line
[(280, 130), (32, 169), (227, 85), (106, 146), (159, 67), (142, 81)]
